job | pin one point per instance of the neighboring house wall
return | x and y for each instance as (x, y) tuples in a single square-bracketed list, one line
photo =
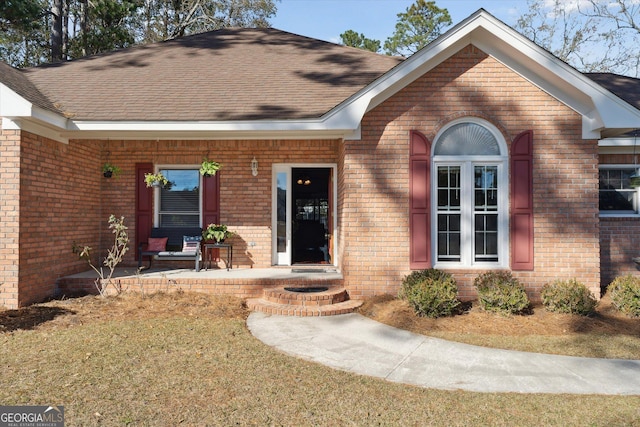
[(52, 200), (375, 182), (618, 241)]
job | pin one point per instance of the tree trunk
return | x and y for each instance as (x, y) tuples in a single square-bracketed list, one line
[(65, 30), (84, 19), (56, 31)]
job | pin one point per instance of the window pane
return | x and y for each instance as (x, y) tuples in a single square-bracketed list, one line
[(486, 187), (616, 193), (171, 220), (180, 199), (467, 139), (449, 187), (486, 237), (281, 232), (449, 237), (616, 200)]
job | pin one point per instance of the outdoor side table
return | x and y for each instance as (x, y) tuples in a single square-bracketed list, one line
[(208, 247)]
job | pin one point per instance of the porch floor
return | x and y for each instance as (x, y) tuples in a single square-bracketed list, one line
[(241, 282), (275, 273)]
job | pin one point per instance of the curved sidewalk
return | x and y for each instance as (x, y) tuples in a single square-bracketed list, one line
[(358, 344)]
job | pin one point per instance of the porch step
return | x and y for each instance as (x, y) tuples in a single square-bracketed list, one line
[(285, 302)]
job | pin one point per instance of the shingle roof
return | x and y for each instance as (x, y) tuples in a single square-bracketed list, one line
[(229, 74), (624, 87)]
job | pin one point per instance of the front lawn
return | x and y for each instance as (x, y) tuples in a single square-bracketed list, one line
[(188, 359)]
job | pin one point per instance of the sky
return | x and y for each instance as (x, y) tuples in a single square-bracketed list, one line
[(376, 19)]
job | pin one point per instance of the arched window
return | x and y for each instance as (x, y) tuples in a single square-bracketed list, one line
[(470, 192)]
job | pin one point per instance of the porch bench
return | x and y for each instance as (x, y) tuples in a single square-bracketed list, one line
[(174, 247)]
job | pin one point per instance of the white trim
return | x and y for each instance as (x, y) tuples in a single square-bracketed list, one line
[(600, 108), (467, 164), (623, 141), (287, 168), (603, 113), (636, 200), (156, 190)]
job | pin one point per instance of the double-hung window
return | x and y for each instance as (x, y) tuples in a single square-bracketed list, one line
[(615, 191), (470, 196), (179, 201)]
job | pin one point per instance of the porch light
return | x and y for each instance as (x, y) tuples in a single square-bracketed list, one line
[(254, 167)]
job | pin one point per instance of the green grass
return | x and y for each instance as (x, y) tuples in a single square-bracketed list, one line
[(119, 368)]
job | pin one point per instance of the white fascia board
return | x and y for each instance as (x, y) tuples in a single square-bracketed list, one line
[(36, 127), (354, 108), (599, 108), (12, 104), (19, 114), (302, 129), (626, 141)]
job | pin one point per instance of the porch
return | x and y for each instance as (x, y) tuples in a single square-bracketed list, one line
[(265, 289)]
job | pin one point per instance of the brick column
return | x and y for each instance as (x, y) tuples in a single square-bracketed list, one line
[(9, 216)]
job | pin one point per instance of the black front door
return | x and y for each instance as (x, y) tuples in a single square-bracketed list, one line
[(310, 228)]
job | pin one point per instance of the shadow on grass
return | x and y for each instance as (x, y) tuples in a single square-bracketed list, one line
[(29, 317)]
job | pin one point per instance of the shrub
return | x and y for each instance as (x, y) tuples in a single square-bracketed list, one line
[(431, 293), (625, 294), (500, 292), (568, 296)]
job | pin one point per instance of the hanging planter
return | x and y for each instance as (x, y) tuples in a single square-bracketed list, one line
[(155, 179), (109, 170), (209, 168)]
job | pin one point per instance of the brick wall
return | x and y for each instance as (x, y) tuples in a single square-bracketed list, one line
[(9, 215), (375, 223), (59, 205), (618, 236), (618, 246), (50, 199), (63, 197), (245, 200)]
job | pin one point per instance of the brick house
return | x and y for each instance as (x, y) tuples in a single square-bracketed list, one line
[(480, 152)]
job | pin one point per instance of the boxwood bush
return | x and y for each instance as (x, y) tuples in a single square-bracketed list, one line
[(625, 294), (568, 296), (500, 292), (431, 293)]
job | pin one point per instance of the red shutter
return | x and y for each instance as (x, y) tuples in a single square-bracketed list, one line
[(419, 201), (522, 202), (144, 206), (211, 200)]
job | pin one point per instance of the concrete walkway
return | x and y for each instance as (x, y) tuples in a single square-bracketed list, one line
[(354, 343)]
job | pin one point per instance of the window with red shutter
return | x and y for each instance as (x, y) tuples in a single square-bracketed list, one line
[(522, 202), (419, 201), (470, 196)]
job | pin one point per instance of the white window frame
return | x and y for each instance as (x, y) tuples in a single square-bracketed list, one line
[(156, 191), (636, 199), (467, 164)]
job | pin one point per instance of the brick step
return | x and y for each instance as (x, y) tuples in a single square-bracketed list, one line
[(309, 300), (332, 295), (264, 306)]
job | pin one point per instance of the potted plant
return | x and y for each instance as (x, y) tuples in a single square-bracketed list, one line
[(216, 232), (155, 179), (109, 170), (209, 168)]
